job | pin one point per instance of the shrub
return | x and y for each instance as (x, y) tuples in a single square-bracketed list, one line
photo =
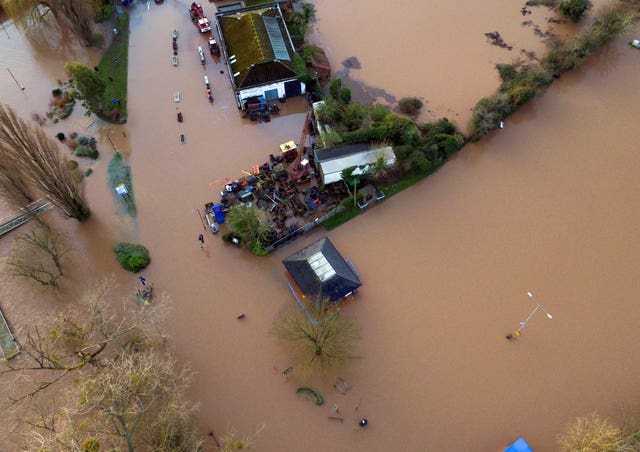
[(71, 164), (66, 111), (334, 87), (344, 95), (258, 249), (56, 92), (410, 106), (353, 116), (488, 113), (77, 175), (378, 133), (86, 140), (403, 151), (86, 151), (132, 257), (574, 9), (88, 172), (103, 13)]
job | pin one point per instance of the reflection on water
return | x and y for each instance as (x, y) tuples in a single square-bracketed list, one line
[(548, 204)]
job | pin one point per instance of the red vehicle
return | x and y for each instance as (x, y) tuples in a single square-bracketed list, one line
[(199, 19)]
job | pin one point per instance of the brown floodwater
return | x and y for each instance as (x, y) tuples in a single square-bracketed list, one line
[(547, 205)]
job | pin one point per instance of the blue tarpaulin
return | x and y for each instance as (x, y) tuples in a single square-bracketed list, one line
[(519, 446)]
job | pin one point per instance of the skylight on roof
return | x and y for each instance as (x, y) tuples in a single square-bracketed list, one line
[(321, 266), (276, 39)]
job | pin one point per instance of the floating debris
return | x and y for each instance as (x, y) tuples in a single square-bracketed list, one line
[(317, 397), (496, 40), (337, 419), (287, 371), (342, 386)]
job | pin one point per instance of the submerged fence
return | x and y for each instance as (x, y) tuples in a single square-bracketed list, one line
[(303, 229)]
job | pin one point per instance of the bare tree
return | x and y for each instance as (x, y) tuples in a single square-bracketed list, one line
[(135, 401), (318, 336), (32, 156), (233, 440), (23, 265), (13, 189), (37, 256), (64, 344), (74, 15), (592, 434)]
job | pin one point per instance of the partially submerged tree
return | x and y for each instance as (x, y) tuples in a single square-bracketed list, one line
[(60, 345), (74, 15), (352, 180), (29, 154), (37, 256), (574, 9), (233, 440), (410, 106), (136, 401), (251, 226), (319, 336), (123, 389), (89, 85), (591, 434)]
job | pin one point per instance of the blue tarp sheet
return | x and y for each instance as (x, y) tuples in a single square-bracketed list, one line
[(519, 446)]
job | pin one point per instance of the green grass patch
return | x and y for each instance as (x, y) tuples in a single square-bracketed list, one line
[(343, 216), (120, 173), (114, 73)]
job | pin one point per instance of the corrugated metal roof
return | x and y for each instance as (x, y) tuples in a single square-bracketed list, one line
[(276, 39), (348, 156)]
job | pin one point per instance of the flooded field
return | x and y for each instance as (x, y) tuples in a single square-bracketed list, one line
[(547, 205)]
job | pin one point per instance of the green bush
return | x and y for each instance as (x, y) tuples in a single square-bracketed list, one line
[(488, 113), (258, 249), (56, 92), (88, 172), (86, 151), (132, 257), (378, 133), (573, 9), (66, 111), (103, 12), (410, 106)]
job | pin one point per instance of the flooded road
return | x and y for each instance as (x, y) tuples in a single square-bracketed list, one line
[(547, 205)]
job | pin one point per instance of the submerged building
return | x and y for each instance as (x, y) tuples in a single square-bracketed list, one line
[(321, 272), (259, 53)]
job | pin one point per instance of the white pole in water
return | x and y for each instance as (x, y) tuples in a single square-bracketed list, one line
[(15, 80), (523, 324)]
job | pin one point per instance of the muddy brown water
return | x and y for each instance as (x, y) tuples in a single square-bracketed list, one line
[(548, 205)]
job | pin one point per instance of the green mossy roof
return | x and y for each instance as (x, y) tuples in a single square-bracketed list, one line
[(246, 37)]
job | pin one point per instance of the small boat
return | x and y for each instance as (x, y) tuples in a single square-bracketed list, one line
[(174, 34), (201, 53), (635, 44), (174, 60), (182, 139), (179, 116), (176, 96)]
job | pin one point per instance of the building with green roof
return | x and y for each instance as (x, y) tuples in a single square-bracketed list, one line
[(259, 53)]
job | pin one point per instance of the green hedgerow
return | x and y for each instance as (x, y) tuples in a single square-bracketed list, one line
[(132, 257)]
